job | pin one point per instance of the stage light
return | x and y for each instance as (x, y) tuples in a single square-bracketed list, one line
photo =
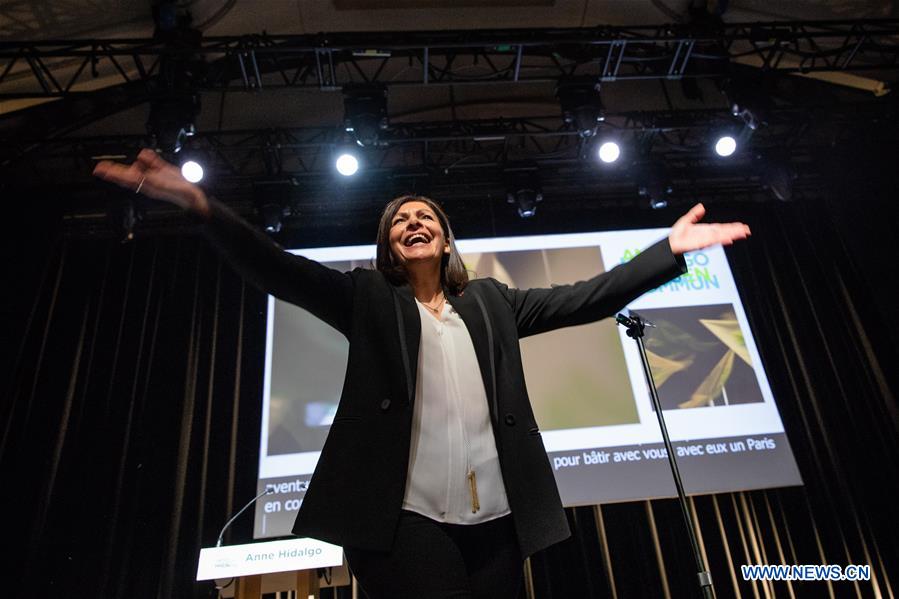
[(527, 200), (779, 179), (776, 173), (751, 107), (609, 152), (124, 215), (523, 189), (726, 145), (273, 198), (171, 120), (365, 113), (581, 104), (192, 171), (271, 217), (654, 184), (347, 164)]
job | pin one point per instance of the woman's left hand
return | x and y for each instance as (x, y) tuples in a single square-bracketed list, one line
[(688, 234)]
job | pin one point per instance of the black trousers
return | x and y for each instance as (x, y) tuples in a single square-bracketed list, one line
[(433, 560)]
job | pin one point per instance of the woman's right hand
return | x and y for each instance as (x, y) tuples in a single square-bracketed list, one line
[(156, 178)]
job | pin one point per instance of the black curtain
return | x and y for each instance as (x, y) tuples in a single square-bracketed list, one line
[(816, 280), (130, 415)]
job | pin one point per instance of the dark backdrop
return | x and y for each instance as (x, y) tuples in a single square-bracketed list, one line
[(131, 387)]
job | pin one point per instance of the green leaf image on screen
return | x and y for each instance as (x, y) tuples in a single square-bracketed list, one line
[(699, 357)]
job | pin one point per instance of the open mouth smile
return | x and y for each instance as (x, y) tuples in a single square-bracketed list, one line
[(415, 239)]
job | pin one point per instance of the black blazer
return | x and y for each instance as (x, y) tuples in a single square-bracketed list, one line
[(356, 493)]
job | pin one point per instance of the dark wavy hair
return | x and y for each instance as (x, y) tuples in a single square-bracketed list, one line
[(453, 276)]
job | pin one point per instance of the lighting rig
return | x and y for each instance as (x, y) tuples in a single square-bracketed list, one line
[(332, 61), (591, 149), (654, 184), (365, 113), (523, 188), (582, 107)]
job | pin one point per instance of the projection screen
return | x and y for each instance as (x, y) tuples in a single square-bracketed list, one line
[(585, 383)]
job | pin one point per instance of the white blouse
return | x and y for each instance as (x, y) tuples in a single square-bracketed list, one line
[(454, 473)]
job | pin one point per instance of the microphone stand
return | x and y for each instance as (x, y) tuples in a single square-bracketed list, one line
[(268, 491), (635, 325)]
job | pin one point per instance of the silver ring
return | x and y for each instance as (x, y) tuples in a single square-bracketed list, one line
[(141, 184)]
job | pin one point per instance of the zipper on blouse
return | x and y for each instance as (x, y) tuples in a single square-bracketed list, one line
[(473, 488)]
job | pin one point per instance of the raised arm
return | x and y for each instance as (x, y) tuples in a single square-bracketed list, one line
[(326, 293), (688, 234), (544, 309), (540, 310)]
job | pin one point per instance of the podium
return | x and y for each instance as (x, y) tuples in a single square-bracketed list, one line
[(247, 571)]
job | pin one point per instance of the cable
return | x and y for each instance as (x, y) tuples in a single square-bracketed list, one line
[(668, 11), (217, 16)]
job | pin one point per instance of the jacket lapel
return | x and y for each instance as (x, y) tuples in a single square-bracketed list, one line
[(409, 330), (468, 309)]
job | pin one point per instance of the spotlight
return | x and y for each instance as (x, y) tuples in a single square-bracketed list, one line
[(609, 152), (726, 145), (654, 185), (749, 100), (365, 113), (347, 164), (523, 189), (527, 200), (124, 216), (171, 120), (271, 217), (273, 199), (751, 117), (581, 104), (192, 171), (780, 181), (658, 203), (777, 174)]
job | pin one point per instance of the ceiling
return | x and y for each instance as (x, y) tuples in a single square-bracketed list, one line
[(274, 108), (26, 20), (57, 19)]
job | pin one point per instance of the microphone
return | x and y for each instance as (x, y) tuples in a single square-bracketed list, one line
[(624, 321), (636, 321), (268, 491)]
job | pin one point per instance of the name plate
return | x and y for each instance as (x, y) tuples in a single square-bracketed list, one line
[(270, 556)]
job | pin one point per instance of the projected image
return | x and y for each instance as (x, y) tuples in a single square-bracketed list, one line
[(585, 383), (305, 386), (576, 377), (699, 357)]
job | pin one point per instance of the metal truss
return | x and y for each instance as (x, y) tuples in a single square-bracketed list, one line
[(468, 159), (464, 164), (60, 68), (445, 147)]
